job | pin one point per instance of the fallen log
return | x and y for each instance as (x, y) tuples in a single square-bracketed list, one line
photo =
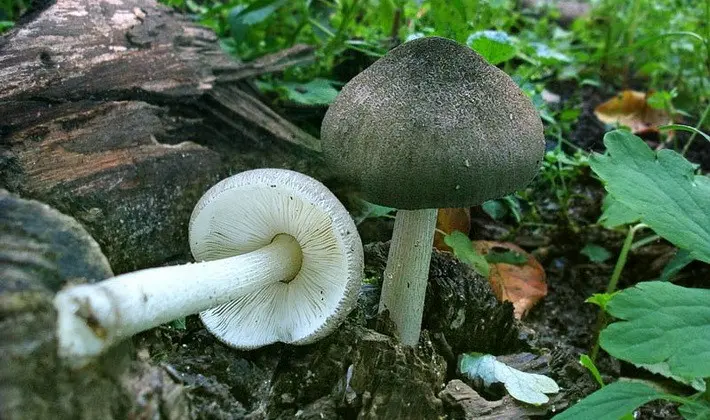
[(122, 113)]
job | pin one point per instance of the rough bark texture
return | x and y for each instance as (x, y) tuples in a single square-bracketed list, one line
[(41, 249), (122, 113)]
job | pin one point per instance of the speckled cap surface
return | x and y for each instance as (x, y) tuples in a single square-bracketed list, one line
[(433, 125)]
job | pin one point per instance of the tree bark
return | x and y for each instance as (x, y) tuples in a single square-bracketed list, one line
[(121, 113), (40, 250)]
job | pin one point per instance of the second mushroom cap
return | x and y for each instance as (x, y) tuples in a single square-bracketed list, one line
[(433, 125)]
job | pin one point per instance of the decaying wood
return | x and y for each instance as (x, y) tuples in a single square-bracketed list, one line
[(40, 250), (122, 113)]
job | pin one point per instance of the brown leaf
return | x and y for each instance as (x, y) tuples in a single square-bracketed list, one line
[(449, 220), (523, 285), (631, 109)]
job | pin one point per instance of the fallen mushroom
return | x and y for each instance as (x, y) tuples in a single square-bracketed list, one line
[(429, 125), (281, 261)]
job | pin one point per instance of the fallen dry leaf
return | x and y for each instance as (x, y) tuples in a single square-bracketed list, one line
[(631, 109), (449, 220), (522, 284)]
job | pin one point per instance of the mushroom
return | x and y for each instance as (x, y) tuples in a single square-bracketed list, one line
[(429, 125), (281, 260)]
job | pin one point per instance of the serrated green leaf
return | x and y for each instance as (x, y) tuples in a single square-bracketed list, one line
[(664, 370), (495, 46), (616, 214), (681, 258), (662, 188), (526, 387), (595, 253), (661, 323), (463, 250), (611, 402)]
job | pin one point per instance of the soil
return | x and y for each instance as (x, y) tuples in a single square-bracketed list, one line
[(362, 372)]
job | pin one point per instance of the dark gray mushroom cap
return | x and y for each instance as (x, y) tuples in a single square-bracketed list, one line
[(433, 125)]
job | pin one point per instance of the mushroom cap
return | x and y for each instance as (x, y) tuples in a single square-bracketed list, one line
[(244, 213), (431, 125)]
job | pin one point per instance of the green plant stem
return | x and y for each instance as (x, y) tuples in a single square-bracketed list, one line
[(643, 242), (613, 282), (697, 127), (623, 255)]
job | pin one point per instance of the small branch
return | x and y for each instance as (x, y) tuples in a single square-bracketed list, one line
[(297, 55)]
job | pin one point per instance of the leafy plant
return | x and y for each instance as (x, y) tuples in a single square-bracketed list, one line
[(10, 10), (664, 328), (659, 189), (664, 41), (661, 327), (595, 253), (526, 387)]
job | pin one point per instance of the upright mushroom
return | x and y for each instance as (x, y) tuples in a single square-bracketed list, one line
[(429, 125), (281, 261)]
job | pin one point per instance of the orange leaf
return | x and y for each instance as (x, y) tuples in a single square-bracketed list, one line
[(630, 108), (449, 220), (523, 285)]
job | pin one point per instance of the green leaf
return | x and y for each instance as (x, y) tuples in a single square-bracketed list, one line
[(463, 250), (661, 322), (681, 258), (367, 210), (548, 55), (179, 324), (616, 214), (663, 369), (595, 253), (661, 188), (600, 299), (500, 208), (514, 207), (683, 127), (526, 387), (699, 410), (316, 92), (587, 362), (241, 17), (495, 46), (495, 209), (611, 402), (661, 99), (5, 25)]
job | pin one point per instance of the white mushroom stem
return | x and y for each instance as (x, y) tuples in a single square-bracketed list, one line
[(92, 317), (407, 271)]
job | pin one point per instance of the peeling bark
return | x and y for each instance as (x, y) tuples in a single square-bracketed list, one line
[(122, 113)]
